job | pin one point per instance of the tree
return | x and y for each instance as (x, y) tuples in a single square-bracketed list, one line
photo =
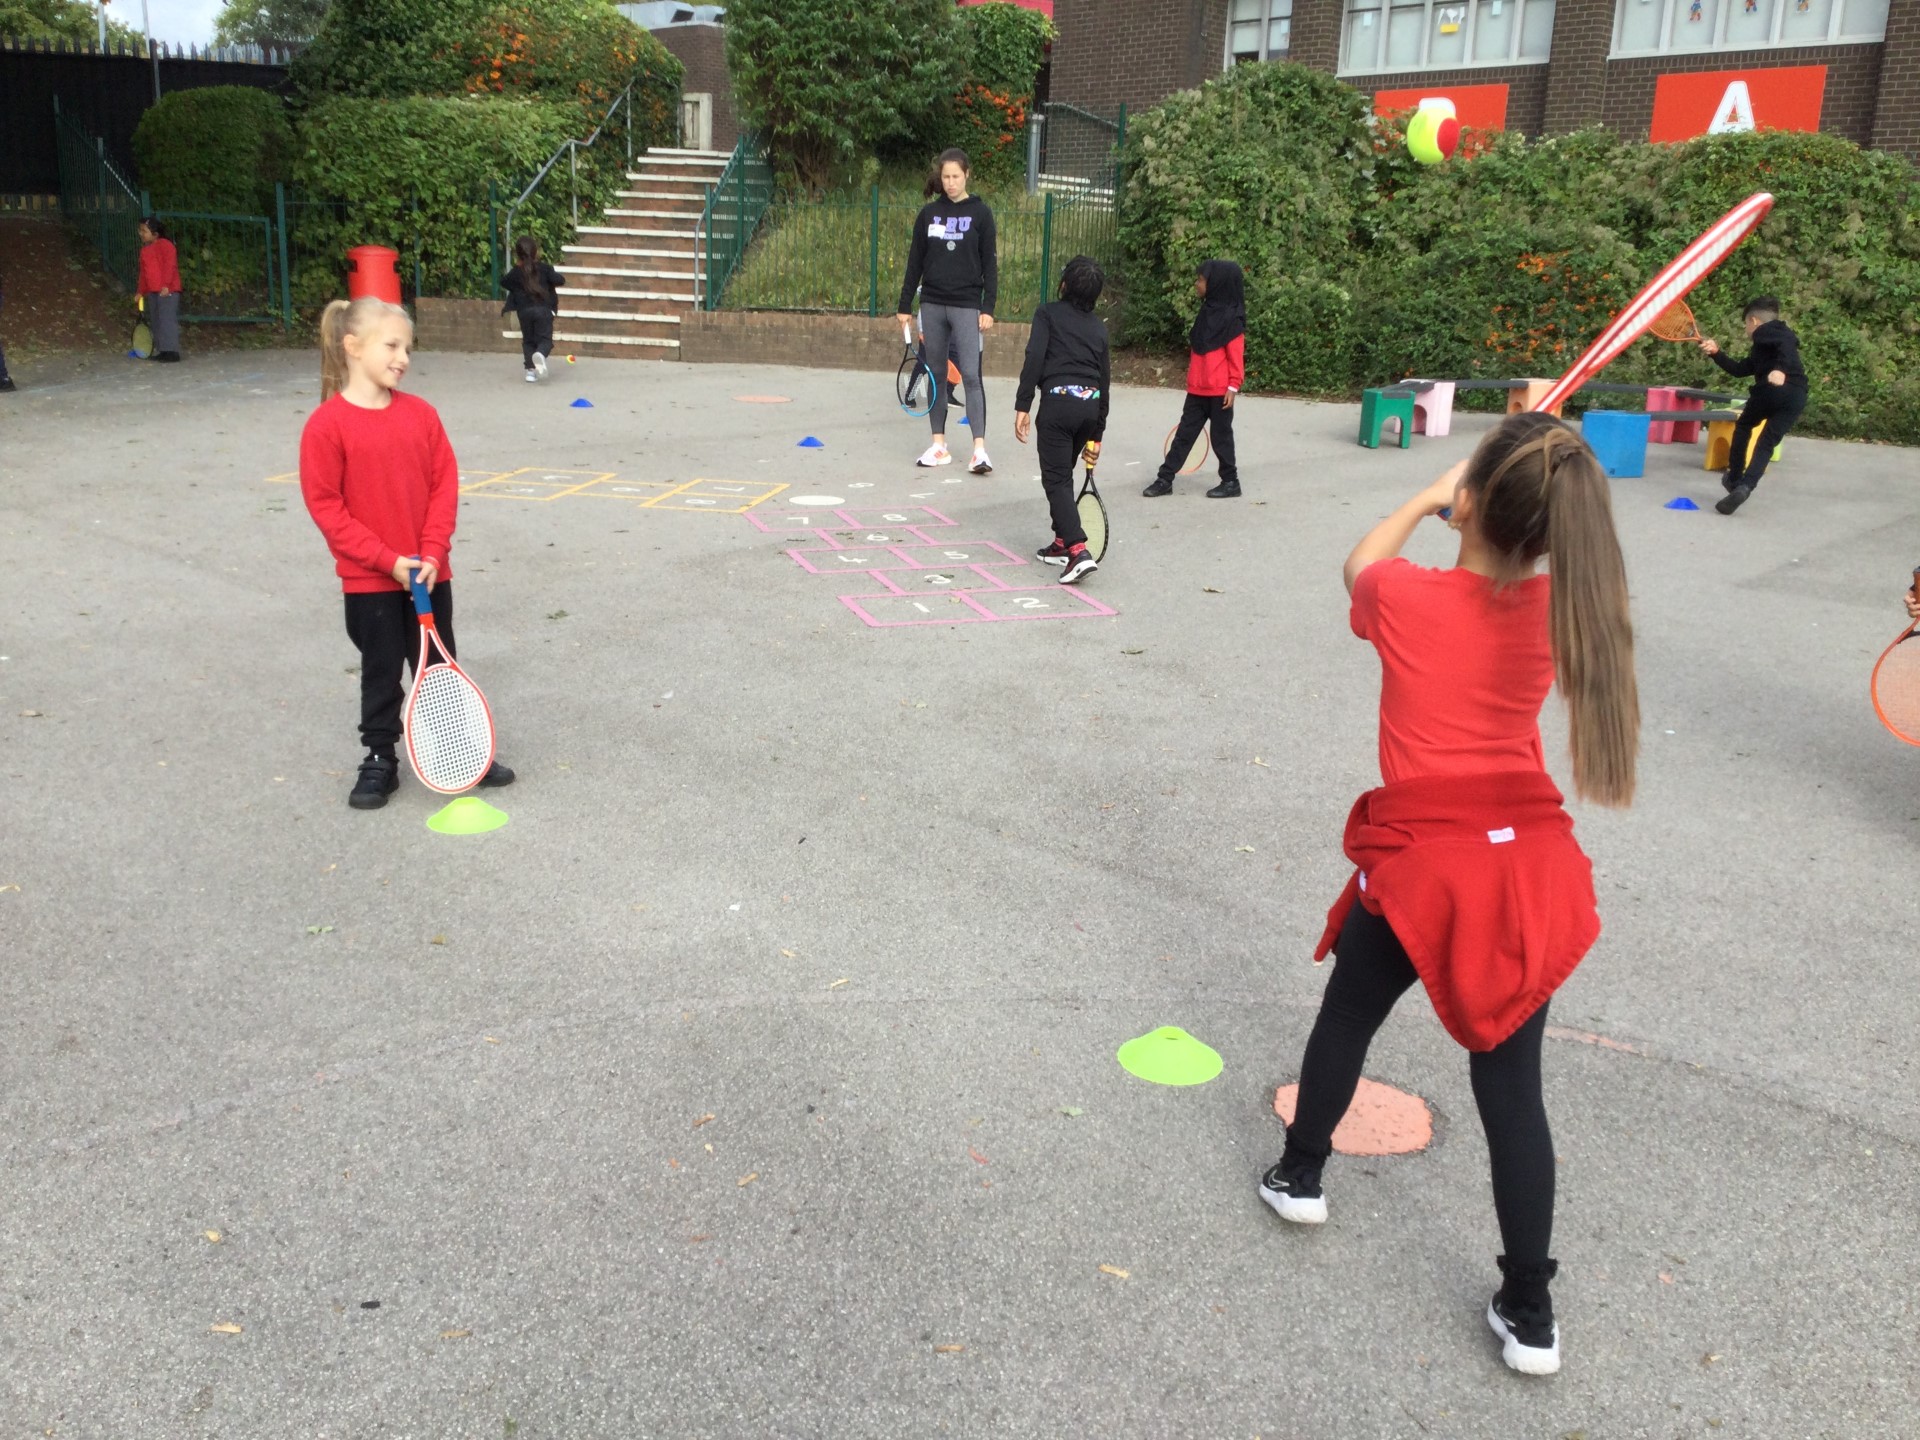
[(283, 23), (824, 80), (59, 20)]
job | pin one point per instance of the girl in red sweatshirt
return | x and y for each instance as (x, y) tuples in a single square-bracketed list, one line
[(1215, 370), (380, 480), (1468, 877)]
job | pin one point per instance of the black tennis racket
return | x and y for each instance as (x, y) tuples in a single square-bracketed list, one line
[(914, 384), (1093, 510)]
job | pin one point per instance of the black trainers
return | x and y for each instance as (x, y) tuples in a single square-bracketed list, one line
[(7, 387), (379, 778), (1736, 497), (1055, 553), (1080, 564), (1521, 1314), (1292, 1188), (1159, 487), (496, 776), (1225, 490)]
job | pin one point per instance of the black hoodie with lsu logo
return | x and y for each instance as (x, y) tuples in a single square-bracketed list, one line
[(952, 260)]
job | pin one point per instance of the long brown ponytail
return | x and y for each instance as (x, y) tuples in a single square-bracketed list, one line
[(1539, 491)]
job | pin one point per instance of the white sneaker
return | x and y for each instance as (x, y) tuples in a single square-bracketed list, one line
[(981, 464), (935, 455), (531, 378), (540, 365)]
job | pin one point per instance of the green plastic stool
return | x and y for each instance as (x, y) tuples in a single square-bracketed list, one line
[(1377, 407)]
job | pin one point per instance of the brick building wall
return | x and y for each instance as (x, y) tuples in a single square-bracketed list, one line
[(1853, 77), (1526, 88), (703, 50), (1577, 65), (1896, 120), (473, 326), (1134, 52), (1315, 36), (830, 342)]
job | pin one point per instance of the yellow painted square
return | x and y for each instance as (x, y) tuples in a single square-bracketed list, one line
[(616, 487), (715, 497)]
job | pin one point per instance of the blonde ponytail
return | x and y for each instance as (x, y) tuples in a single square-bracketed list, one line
[(340, 319), (1538, 490)]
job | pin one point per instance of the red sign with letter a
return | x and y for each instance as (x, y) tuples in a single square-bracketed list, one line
[(1720, 102)]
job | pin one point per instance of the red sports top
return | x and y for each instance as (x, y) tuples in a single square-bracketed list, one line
[(1464, 669), (159, 267), (380, 484), (1218, 371)]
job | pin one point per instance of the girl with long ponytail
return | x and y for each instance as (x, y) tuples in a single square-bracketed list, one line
[(1468, 878)]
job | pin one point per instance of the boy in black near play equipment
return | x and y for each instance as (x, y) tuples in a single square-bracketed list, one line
[(1067, 360), (1779, 395)]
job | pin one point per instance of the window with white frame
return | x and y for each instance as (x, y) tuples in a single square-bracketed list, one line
[(1653, 27), (1450, 34), (1258, 30)]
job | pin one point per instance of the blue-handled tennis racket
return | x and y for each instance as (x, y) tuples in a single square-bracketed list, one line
[(914, 385)]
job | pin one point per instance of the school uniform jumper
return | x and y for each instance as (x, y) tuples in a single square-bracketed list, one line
[(1770, 408), (160, 270), (1468, 878), (1067, 359), (381, 484), (1216, 368), (953, 261), (536, 305)]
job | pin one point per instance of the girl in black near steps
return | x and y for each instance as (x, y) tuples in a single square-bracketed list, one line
[(531, 287), (953, 262)]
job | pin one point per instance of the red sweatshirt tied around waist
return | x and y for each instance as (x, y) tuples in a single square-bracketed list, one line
[(1484, 885)]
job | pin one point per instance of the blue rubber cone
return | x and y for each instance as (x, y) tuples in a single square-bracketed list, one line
[(813, 442), (1681, 504), (581, 404)]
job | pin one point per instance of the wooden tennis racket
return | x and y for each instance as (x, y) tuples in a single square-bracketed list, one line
[(1197, 456), (1676, 323), (1093, 510), (1896, 683), (448, 726)]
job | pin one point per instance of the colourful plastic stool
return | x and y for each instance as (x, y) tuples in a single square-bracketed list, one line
[(1661, 397), (1618, 439), (1720, 445), (1433, 409), (1378, 408), (1524, 395)]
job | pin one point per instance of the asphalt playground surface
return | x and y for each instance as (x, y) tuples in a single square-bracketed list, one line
[(758, 1078)]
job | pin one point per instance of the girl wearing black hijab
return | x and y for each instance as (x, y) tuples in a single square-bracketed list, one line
[(1215, 370)]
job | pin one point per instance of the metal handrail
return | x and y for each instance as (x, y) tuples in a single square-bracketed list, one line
[(571, 149)]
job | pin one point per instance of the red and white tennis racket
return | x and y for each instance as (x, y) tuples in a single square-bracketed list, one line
[(1896, 684), (448, 725), (1688, 269)]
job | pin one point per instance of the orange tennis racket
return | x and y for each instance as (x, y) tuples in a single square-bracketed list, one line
[(1676, 323), (1896, 684)]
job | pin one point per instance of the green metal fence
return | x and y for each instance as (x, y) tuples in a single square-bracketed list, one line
[(227, 266), (97, 200), (731, 217), (850, 253)]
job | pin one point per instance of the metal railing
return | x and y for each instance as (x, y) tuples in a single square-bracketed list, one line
[(571, 149), (848, 253), (227, 270), (96, 200), (1075, 151), (729, 220)]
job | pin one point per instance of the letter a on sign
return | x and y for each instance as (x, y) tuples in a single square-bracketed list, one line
[(1734, 113)]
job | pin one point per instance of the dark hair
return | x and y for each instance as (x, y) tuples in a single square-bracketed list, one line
[(526, 259), (1082, 281), (154, 225), (1767, 306), (1538, 490), (953, 156)]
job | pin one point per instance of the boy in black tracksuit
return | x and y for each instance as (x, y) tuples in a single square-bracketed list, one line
[(1067, 357), (1779, 395)]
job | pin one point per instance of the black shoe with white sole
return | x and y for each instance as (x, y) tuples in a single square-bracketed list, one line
[(1054, 554), (1080, 564), (1736, 497), (1293, 1190), (1521, 1314), (379, 778)]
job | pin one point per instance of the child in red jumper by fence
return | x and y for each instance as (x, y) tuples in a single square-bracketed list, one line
[(380, 480), (1215, 370), (1469, 879)]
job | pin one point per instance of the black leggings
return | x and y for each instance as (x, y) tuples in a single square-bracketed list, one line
[(536, 332), (1202, 412), (1372, 972), (1773, 421), (386, 631)]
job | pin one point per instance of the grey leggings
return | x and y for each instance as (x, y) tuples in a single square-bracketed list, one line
[(954, 333)]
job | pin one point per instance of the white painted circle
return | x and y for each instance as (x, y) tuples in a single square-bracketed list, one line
[(815, 500)]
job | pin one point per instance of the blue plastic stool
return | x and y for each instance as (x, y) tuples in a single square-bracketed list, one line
[(1618, 439)]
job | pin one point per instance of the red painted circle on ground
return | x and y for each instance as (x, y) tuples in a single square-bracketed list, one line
[(764, 399), (1381, 1120)]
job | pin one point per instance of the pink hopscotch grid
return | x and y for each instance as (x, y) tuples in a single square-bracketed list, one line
[(883, 547)]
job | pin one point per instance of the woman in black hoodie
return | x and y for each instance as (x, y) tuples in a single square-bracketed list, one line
[(952, 261)]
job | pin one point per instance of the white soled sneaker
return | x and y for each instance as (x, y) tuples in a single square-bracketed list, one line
[(981, 464), (530, 377), (1521, 1314), (935, 455), (1294, 1194), (540, 365)]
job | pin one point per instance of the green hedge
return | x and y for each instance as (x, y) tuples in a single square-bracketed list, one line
[(220, 148), (1363, 267)]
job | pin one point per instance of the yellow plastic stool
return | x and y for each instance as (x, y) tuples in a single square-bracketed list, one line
[(1720, 445)]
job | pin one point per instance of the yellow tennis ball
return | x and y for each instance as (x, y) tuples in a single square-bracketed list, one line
[(1423, 137)]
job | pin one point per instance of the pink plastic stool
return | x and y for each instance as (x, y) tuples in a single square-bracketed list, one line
[(1433, 409), (1661, 397), (1685, 432)]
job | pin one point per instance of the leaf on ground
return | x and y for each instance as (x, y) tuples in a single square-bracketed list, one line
[(978, 1158), (746, 1180), (213, 1236), (703, 1120), (438, 940), (225, 1327), (1243, 849), (1709, 1358), (948, 1349), (557, 615), (1116, 1272), (1133, 652), (1071, 1111), (787, 953), (455, 1334), (319, 929), (1666, 1277), (1209, 590), (1261, 763), (490, 1039), (844, 980), (698, 1239)]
